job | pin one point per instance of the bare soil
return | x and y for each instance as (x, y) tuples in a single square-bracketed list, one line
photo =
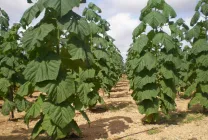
[(119, 119)]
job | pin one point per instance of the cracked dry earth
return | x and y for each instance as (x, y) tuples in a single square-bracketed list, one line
[(119, 119)]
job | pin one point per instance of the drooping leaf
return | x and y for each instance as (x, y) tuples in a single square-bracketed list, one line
[(44, 69), (33, 38), (35, 110), (193, 33), (7, 107), (58, 91), (140, 43), (139, 29), (204, 9), (199, 46), (165, 40), (147, 61), (195, 18), (25, 89), (61, 115), (148, 107), (155, 19), (168, 11), (4, 86), (62, 7), (32, 13)]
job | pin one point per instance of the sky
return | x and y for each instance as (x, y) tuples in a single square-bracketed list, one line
[(123, 15)]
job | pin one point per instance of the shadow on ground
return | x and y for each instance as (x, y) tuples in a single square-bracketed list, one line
[(103, 127)]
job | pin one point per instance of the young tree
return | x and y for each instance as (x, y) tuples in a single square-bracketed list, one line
[(62, 66), (108, 60), (198, 56), (154, 61), (12, 64)]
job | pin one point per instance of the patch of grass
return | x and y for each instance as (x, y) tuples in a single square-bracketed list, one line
[(181, 118), (114, 108), (154, 131), (193, 117)]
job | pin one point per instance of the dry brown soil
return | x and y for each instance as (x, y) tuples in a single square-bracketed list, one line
[(119, 119)]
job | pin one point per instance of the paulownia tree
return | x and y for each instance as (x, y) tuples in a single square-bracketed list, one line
[(179, 31), (198, 56), (153, 61), (108, 61), (62, 66), (12, 64), (59, 67)]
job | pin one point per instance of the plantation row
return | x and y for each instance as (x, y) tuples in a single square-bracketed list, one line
[(66, 57), (158, 65)]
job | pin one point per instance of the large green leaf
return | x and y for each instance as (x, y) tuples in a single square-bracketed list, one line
[(77, 52), (7, 72), (199, 99), (7, 107), (58, 91), (204, 9), (155, 19), (32, 13), (25, 89), (144, 95), (33, 38), (139, 29), (21, 103), (155, 3), (140, 82), (202, 76), (168, 11), (167, 73), (193, 33), (87, 74), (204, 88), (99, 54), (147, 61), (140, 43), (148, 107), (167, 89), (61, 115), (73, 23), (35, 110), (190, 90), (198, 5), (199, 46), (83, 91), (8, 46), (62, 7), (47, 125), (202, 61), (168, 104), (94, 7), (4, 86), (43, 69), (195, 18), (164, 39), (37, 129)]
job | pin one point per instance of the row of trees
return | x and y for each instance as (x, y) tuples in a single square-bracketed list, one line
[(66, 57), (158, 64)]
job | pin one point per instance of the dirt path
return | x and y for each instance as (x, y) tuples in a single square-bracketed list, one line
[(122, 121)]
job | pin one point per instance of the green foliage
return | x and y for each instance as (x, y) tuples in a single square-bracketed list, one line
[(197, 36), (12, 64), (154, 60), (108, 60), (65, 56)]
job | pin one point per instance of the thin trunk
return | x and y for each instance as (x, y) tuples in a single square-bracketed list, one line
[(11, 98)]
